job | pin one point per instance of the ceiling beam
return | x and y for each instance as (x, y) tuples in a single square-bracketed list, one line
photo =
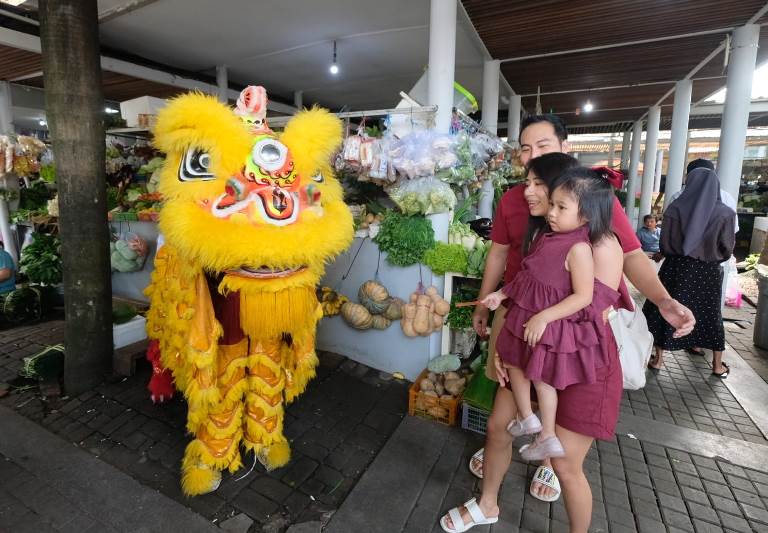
[(31, 43), (618, 45), (29, 76), (123, 9), (612, 87)]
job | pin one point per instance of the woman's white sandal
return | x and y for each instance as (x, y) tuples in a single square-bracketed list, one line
[(478, 518)]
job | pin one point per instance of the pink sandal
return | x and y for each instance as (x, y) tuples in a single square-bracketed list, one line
[(539, 450), (527, 426)]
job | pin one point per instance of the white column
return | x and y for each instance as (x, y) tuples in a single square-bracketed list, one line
[(634, 164), (6, 233), (649, 162), (6, 111), (490, 121), (625, 139), (678, 139), (298, 100), (513, 118), (440, 77), (657, 170), (442, 60), (611, 151), (741, 68), (222, 83)]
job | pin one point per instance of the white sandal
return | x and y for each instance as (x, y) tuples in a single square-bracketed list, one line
[(478, 518), (545, 476), (477, 457)]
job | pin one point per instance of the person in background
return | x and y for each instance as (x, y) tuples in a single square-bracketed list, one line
[(7, 271), (649, 236), (725, 196), (696, 237)]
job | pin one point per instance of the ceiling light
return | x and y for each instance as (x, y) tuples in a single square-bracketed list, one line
[(12, 2), (111, 110), (42, 122), (588, 107), (334, 67)]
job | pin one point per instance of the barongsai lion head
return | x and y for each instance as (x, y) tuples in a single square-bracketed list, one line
[(262, 210)]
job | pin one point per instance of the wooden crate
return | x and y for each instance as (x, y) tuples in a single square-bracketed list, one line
[(419, 404)]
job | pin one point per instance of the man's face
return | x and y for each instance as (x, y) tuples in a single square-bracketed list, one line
[(538, 139), (650, 223)]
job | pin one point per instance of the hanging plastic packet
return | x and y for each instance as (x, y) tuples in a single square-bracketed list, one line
[(128, 252)]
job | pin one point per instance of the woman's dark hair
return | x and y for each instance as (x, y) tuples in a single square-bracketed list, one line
[(595, 197), (548, 168)]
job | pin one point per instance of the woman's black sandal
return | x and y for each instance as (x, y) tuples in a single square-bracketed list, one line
[(724, 373), (695, 352)]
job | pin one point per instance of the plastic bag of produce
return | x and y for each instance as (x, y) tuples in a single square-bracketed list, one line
[(128, 252), (733, 290), (426, 196)]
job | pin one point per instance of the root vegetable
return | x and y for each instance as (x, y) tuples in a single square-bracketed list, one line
[(455, 386), (439, 389), (425, 385), (432, 377), (430, 393), (437, 411), (446, 397), (450, 375), (421, 322), (409, 313), (437, 322)]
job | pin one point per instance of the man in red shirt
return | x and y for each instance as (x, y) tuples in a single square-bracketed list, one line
[(539, 135)]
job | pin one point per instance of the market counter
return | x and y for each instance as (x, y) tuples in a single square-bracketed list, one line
[(388, 350)]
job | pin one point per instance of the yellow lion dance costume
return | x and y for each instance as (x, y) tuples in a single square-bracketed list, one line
[(249, 220)]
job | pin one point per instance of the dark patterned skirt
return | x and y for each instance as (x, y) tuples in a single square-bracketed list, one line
[(697, 285)]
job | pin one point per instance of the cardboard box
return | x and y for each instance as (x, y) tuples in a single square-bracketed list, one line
[(144, 105)]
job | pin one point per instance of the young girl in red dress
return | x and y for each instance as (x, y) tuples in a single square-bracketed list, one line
[(550, 336)]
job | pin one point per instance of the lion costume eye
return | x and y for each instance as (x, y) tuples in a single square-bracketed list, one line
[(269, 154), (195, 166)]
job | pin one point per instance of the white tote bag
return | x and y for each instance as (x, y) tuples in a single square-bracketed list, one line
[(635, 344)]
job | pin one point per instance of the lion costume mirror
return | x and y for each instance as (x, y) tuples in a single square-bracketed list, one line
[(249, 220)]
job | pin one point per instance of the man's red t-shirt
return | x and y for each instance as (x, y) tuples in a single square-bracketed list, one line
[(511, 222)]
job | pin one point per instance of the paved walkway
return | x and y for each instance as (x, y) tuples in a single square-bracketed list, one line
[(336, 429)]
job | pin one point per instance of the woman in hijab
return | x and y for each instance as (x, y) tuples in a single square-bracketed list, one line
[(697, 235)]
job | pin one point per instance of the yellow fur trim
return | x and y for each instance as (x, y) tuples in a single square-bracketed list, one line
[(312, 136), (267, 315), (197, 452), (302, 374), (197, 480)]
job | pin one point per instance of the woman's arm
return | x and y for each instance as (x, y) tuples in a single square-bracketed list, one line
[(580, 264)]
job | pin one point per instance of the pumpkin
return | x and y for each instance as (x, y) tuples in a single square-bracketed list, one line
[(381, 322), (374, 296), (394, 310), (356, 315)]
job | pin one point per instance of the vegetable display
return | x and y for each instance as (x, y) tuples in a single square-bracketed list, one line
[(376, 309), (446, 258), (128, 253), (424, 314), (405, 239), (477, 257), (330, 301), (41, 260), (423, 196)]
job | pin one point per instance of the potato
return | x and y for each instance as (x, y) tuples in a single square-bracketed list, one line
[(426, 385), (455, 386), (446, 397), (437, 411), (450, 375), (431, 376), (439, 388), (430, 393)]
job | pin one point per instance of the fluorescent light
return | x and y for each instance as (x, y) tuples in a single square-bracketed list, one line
[(588, 107), (334, 69), (111, 110), (12, 2)]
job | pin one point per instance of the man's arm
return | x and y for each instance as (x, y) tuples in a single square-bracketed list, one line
[(639, 269), (495, 264), (5, 273)]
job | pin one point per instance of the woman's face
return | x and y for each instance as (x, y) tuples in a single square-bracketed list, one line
[(536, 195)]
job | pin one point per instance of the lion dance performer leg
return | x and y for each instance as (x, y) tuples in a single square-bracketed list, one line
[(249, 219)]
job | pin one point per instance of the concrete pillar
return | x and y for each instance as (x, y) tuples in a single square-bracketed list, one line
[(442, 60), (513, 118), (625, 140), (679, 139), (222, 83), (298, 100), (611, 151), (649, 161), (634, 164), (657, 170), (6, 111), (440, 77), (741, 68), (490, 120)]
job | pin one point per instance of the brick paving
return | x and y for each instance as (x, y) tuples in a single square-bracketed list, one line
[(636, 486), (336, 429), (739, 335), (686, 394)]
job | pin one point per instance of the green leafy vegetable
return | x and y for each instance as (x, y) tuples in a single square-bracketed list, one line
[(446, 258), (477, 257), (461, 317), (404, 238), (41, 261)]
